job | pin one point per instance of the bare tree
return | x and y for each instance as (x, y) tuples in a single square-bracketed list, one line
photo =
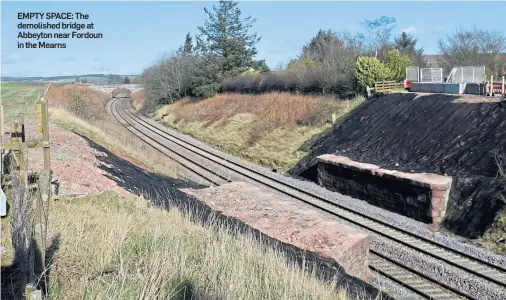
[(280, 67), (169, 78), (379, 33), (335, 51), (474, 47)]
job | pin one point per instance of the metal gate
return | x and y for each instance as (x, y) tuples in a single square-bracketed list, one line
[(431, 75), (468, 74), (413, 74)]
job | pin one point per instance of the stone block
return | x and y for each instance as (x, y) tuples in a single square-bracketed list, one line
[(422, 196), (440, 193), (286, 221)]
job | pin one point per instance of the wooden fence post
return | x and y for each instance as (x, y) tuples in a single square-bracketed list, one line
[(39, 117), (503, 93), (31, 209), (491, 85), (45, 134), (20, 154)]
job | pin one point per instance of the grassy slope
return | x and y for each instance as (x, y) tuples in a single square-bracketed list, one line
[(115, 138), (153, 252), (268, 129), (102, 129), (120, 248), (494, 239)]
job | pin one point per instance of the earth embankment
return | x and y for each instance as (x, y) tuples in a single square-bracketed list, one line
[(460, 136)]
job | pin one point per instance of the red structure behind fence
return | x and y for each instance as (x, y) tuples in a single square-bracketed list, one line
[(498, 88)]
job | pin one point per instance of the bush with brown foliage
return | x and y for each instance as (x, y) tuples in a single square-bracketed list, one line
[(80, 100), (277, 108)]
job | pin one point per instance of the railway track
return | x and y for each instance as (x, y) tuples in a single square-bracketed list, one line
[(425, 286)]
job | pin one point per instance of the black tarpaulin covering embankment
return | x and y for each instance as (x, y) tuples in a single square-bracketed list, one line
[(433, 133)]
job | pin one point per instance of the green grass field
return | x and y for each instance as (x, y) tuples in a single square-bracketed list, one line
[(19, 98), (7, 87)]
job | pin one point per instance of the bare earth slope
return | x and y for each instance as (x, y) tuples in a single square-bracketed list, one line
[(443, 134)]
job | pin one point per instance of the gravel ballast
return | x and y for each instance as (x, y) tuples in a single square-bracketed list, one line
[(357, 205), (434, 268)]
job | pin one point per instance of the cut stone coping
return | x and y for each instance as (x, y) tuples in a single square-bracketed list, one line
[(440, 185), (290, 223)]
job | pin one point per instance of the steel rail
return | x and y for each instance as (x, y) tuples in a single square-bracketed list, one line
[(443, 290)]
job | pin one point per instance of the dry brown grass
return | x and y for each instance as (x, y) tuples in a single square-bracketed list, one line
[(120, 248), (139, 99), (496, 235), (80, 100), (110, 134), (91, 120), (268, 129), (277, 108)]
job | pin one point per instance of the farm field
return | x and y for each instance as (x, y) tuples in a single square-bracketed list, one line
[(19, 99), (7, 86)]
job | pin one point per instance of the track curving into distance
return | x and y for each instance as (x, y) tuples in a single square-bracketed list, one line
[(168, 143)]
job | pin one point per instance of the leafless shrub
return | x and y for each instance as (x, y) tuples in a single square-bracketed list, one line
[(76, 103), (474, 47), (21, 237), (312, 81), (500, 160), (169, 79)]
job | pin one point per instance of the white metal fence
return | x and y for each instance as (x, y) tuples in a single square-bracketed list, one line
[(413, 74), (431, 75), (468, 74)]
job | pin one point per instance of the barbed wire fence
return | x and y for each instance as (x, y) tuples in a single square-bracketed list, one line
[(30, 197)]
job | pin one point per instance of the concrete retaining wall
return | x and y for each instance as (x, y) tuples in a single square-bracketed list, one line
[(474, 89), (450, 88), (421, 196)]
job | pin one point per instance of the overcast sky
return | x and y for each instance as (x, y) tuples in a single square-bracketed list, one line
[(136, 33)]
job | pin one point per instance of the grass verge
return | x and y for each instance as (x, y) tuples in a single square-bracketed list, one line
[(120, 248), (267, 129), (494, 239), (83, 111), (114, 137)]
